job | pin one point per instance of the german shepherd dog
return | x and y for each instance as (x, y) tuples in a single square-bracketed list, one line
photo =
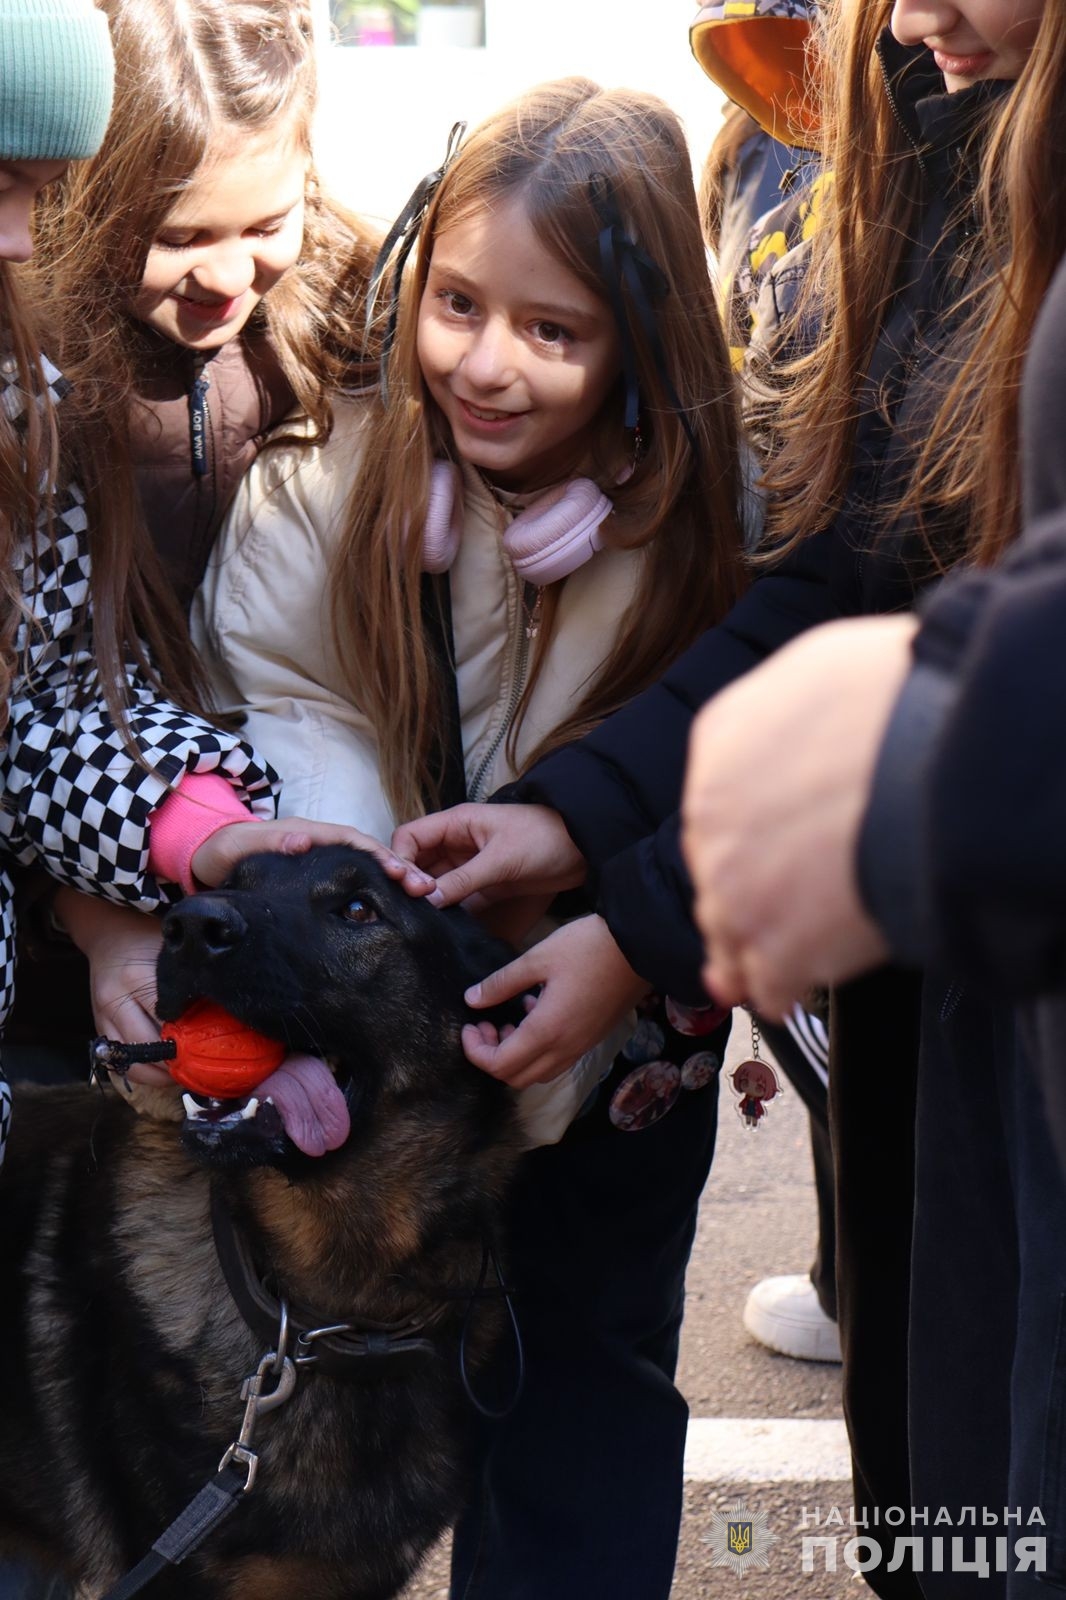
[(144, 1261)]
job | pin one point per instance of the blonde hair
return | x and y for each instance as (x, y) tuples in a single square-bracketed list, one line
[(185, 71), (966, 470), (556, 148)]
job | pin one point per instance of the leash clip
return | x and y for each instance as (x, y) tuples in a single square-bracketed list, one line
[(257, 1404)]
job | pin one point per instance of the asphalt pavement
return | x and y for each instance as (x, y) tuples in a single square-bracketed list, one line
[(747, 1404)]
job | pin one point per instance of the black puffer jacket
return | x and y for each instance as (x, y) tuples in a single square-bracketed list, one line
[(988, 891), (618, 789), (962, 855)]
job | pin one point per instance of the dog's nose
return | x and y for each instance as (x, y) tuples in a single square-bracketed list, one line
[(203, 928)]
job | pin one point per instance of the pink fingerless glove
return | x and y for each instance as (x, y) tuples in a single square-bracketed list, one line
[(202, 803)]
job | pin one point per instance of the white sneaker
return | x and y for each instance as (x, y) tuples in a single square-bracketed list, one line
[(784, 1315)]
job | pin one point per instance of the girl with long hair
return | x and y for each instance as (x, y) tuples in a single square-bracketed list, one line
[(538, 508), (199, 282), (891, 457), (90, 795), (195, 286)]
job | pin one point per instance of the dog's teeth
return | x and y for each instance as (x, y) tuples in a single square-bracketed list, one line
[(192, 1107), (215, 1105), (250, 1108)]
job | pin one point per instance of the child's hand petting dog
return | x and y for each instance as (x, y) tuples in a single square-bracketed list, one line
[(587, 988), (121, 946), (220, 853), (480, 854)]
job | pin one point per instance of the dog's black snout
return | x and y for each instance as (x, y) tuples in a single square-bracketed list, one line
[(203, 928)]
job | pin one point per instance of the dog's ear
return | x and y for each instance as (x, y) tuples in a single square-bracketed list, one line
[(478, 952)]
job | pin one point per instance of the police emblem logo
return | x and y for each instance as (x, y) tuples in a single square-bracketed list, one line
[(740, 1539)]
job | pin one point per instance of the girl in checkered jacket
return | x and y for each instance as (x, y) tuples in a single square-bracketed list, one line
[(110, 787), (198, 285)]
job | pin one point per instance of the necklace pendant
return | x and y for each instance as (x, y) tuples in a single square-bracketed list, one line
[(533, 594), (533, 615)]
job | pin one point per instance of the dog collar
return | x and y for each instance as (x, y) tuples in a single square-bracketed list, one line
[(363, 1351)]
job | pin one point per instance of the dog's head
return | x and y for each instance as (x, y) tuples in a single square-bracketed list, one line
[(325, 953)]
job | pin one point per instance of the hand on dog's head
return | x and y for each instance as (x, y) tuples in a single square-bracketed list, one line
[(327, 922)]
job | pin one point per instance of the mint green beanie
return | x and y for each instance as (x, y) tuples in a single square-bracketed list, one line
[(56, 79)]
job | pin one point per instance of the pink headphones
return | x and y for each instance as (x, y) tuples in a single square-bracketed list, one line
[(546, 542)]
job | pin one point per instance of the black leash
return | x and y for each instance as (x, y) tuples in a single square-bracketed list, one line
[(214, 1503), (234, 1478)]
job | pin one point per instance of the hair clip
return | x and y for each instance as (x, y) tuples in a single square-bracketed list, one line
[(624, 262), (399, 241)]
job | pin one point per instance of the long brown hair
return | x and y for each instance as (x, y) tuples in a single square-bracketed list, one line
[(967, 466), (556, 148), (29, 454), (185, 70)]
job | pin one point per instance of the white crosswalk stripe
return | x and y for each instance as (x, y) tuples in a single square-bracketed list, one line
[(766, 1450)]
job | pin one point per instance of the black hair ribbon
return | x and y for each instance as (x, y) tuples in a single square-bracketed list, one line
[(623, 262), (399, 241)]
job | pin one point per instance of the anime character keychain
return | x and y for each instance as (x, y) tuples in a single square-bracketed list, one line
[(754, 1082)]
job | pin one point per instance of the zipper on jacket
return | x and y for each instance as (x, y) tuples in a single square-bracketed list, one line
[(897, 113), (530, 599)]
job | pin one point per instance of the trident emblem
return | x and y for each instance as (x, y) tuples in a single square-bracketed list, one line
[(740, 1537)]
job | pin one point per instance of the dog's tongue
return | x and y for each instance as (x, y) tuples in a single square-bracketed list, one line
[(309, 1104)]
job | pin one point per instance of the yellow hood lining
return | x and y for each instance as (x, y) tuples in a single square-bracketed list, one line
[(761, 63)]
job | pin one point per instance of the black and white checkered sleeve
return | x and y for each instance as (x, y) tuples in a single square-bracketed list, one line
[(74, 798)]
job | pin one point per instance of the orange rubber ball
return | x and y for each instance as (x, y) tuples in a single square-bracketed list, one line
[(219, 1056)]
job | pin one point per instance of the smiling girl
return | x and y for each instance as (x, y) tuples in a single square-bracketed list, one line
[(90, 765), (226, 242), (527, 423), (537, 511), (977, 41), (201, 282), (198, 286)]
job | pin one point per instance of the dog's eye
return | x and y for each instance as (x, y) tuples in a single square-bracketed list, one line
[(359, 911)]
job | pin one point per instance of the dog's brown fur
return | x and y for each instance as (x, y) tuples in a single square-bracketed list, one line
[(122, 1349)]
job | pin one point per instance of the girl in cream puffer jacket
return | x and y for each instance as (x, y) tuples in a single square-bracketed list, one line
[(263, 625), (558, 380), (540, 403)]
